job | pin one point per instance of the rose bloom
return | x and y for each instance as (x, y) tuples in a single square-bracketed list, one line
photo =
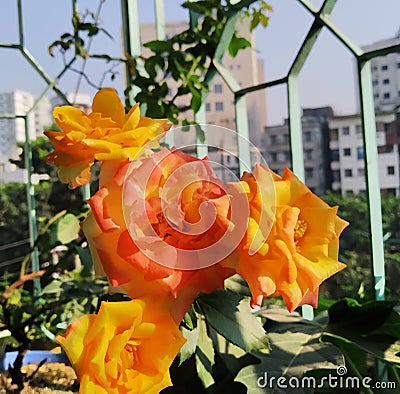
[(107, 133), (127, 347), (163, 228), (301, 249)]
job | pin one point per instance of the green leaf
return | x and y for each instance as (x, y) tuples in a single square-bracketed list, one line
[(295, 349), (231, 317), (200, 134), (204, 355), (85, 257), (351, 352), (67, 228), (189, 347), (238, 285), (236, 44), (14, 298), (255, 20), (195, 102), (347, 317), (200, 7), (372, 327), (159, 46)]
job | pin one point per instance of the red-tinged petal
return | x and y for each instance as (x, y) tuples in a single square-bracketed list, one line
[(99, 209), (77, 175)]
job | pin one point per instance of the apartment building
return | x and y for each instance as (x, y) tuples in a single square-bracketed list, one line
[(347, 154), (12, 131), (83, 101), (386, 76), (315, 128)]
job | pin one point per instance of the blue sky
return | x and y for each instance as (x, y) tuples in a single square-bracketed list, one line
[(327, 78)]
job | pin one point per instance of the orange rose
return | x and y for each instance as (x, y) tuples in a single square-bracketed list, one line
[(105, 134), (127, 347), (301, 250), (162, 225)]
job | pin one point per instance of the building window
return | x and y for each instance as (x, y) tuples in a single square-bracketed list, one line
[(386, 95), (375, 82), (347, 152), (361, 172), (272, 139), (376, 95), (219, 106), (308, 154), (386, 81), (384, 67), (358, 129), (309, 172), (307, 136), (274, 156), (335, 154), (336, 175), (228, 159), (346, 130), (360, 153), (398, 65), (218, 88), (208, 107), (348, 172), (390, 170), (285, 138), (286, 156), (388, 192), (334, 134)]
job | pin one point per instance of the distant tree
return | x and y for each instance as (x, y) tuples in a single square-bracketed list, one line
[(58, 197), (51, 197), (355, 248)]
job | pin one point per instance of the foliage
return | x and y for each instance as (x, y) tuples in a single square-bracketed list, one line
[(355, 246), (185, 58), (348, 334), (57, 196), (51, 197), (33, 320)]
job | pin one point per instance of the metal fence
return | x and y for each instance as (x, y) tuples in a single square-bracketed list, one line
[(321, 20)]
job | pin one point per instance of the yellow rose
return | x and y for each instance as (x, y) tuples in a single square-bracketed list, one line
[(127, 347), (301, 249), (107, 133)]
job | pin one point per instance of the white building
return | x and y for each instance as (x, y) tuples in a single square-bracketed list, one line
[(347, 154), (386, 76), (12, 130), (81, 100)]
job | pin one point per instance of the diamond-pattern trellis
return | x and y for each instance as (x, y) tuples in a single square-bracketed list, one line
[(321, 20)]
